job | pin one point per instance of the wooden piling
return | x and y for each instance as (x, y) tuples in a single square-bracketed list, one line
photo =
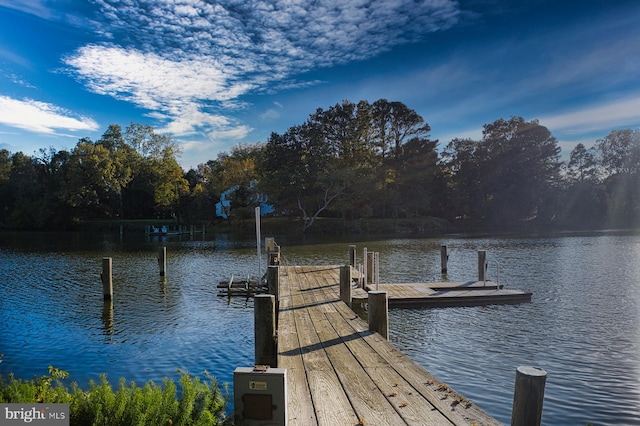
[(265, 330), (345, 284), (107, 281), (528, 396), (482, 265), (162, 260), (376, 268), (370, 261), (273, 280), (365, 260), (444, 258), (378, 313), (352, 255)]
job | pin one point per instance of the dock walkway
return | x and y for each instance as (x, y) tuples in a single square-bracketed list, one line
[(340, 373)]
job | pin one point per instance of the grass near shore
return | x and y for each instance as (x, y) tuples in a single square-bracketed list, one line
[(191, 402)]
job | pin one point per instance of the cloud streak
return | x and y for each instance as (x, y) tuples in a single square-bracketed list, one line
[(41, 117)]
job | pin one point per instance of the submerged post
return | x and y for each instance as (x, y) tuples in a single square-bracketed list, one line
[(345, 284), (378, 307), (528, 396), (265, 330), (162, 260), (444, 258), (107, 281), (482, 265)]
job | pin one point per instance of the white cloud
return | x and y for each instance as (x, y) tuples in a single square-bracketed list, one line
[(182, 60), (41, 117), (238, 132)]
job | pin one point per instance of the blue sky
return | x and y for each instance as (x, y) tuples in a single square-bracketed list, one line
[(214, 74)]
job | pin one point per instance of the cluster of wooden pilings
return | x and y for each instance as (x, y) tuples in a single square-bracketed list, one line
[(529, 381), (106, 276)]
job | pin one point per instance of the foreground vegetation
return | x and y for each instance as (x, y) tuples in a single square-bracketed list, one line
[(352, 164), (194, 402)]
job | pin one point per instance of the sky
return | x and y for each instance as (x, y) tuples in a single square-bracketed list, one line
[(214, 74)]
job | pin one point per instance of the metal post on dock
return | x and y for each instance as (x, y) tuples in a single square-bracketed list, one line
[(345, 284), (378, 313), (162, 260), (528, 396), (444, 258), (482, 265), (352, 255), (107, 281), (265, 330)]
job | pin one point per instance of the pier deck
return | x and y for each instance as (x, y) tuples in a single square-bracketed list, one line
[(340, 373), (442, 294)]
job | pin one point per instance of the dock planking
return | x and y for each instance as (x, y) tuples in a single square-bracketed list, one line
[(340, 373), (445, 294)]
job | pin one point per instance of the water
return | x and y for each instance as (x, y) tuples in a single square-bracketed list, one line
[(582, 326)]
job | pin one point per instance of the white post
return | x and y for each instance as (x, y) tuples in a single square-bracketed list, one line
[(258, 238), (364, 268), (376, 268)]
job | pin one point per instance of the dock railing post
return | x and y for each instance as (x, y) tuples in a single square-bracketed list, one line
[(106, 277), (482, 265), (345, 284), (265, 330), (378, 313), (376, 268), (444, 258), (370, 257), (162, 260), (273, 279), (365, 268), (273, 282), (528, 396), (352, 255)]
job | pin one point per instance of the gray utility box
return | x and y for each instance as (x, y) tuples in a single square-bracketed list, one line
[(260, 396)]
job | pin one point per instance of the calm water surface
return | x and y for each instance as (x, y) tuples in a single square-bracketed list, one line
[(582, 327)]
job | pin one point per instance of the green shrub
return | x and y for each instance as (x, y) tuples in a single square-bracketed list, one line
[(197, 402)]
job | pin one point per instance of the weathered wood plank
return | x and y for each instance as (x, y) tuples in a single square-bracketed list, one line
[(369, 403), (330, 403), (454, 407), (300, 406), (352, 375)]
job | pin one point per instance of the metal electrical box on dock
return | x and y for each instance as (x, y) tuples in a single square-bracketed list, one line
[(260, 396)]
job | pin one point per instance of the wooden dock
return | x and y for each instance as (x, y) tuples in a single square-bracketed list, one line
[(340, 373), (445, 294)]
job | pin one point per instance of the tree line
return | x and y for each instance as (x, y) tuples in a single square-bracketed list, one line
[(348, 162)]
